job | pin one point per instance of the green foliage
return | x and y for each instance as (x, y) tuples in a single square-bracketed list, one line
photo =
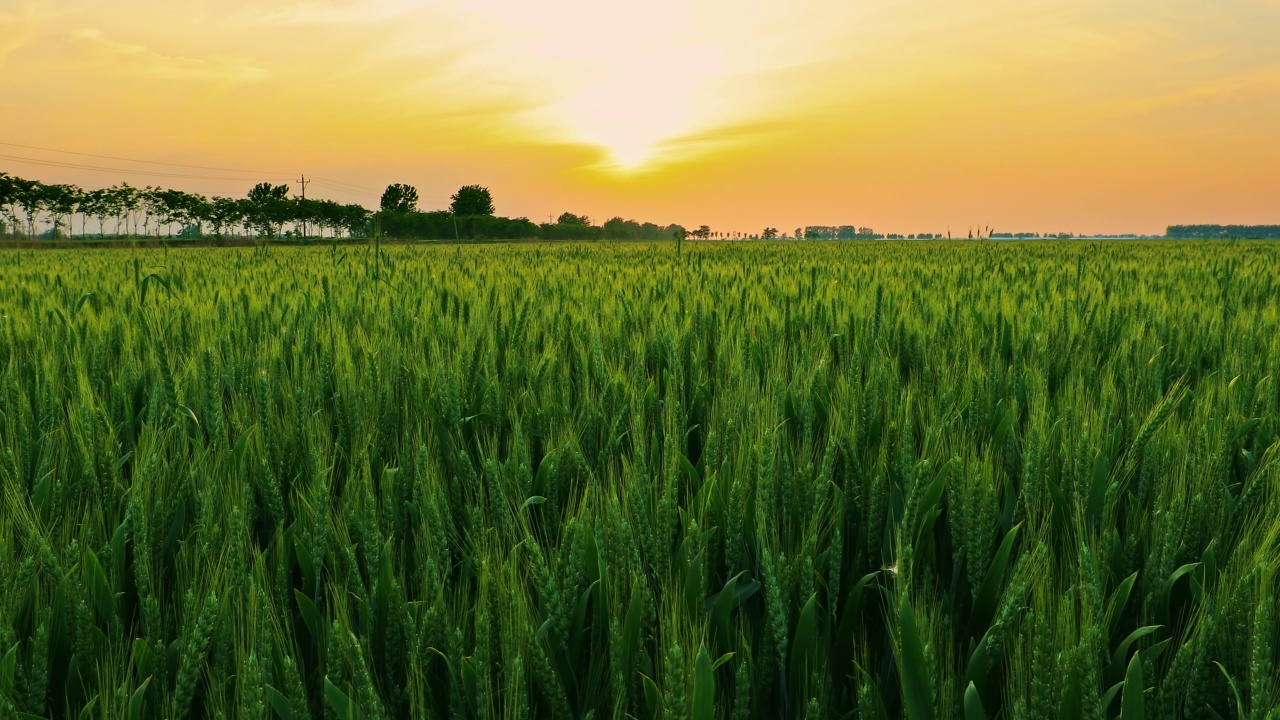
[(610, 481), (400, 198), (472, 200)]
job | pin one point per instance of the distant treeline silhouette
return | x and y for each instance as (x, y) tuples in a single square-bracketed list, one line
[(838, 232), (1245, 232), (31, 209), (446, 225)]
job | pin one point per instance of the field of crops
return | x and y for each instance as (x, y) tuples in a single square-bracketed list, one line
[(858, 480)]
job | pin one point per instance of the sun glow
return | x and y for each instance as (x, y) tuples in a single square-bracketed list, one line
[(626, 79), (631, 110), (1064, 116)]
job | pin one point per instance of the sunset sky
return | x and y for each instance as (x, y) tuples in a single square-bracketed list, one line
[(905, 115)]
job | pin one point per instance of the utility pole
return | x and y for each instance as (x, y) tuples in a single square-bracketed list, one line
[(303, 181)]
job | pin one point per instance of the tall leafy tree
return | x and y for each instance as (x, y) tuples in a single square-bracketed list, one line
[(618, 229), (33, 199), (399, 197), (225, 213), (355, 219), (10, 191), (268, 208), (92, 205), (124, 201), (472, 200), (61, 202), (173, 207)]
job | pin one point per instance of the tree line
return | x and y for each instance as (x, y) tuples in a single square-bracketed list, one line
[(1199, 232), (471, 216), (836, 232), (32, 209)]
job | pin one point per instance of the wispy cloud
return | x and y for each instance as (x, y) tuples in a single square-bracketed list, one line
[(16, 28), (352, 12), (1259, 83), (140, 60)]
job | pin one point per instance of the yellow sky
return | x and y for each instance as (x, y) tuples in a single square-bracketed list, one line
[(905, 115)]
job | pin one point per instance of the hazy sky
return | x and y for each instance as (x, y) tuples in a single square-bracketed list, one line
[(905, 115)]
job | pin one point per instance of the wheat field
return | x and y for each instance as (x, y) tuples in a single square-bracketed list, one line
[(802, 481)]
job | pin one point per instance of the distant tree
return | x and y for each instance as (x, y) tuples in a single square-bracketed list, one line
[(355, 220), (264, 192), (125, 201), (225, 213), (61, 202), (703, 232), (34, 199), (472, 200), (339, 218), (9, 192), (197, 211), (268, 208), (185, 210), (93, 205), (619, 229), (399, 198), (571, 219), (770, 233)]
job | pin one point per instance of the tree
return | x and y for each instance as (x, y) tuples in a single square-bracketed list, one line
[(355, 219), (197, 210), (93, 204), (125, 200), (618, 229), (472, 200), (770, 233), (703, 232), (225, 213), (571, 219), (186, 210), (399, 198), (33, 200), (61, 202), (10, 199), (268, 208)]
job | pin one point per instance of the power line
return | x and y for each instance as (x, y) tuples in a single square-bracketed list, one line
[(328, 181), (342, 188), (256, 175), (99, 168), (147, 162)]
